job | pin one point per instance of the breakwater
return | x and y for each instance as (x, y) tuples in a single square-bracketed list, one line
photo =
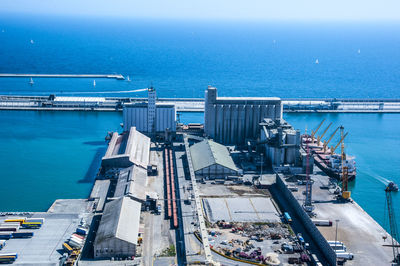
[(73, 103)]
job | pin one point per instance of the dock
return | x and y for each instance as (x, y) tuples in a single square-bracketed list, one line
[(106, 76), (92, 103)]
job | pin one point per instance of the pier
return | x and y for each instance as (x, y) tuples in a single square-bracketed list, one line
[(106, 76), (72, 103)]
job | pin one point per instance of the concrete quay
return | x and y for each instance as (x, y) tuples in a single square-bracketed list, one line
[(361, 234), (73, 103), (107, 76)]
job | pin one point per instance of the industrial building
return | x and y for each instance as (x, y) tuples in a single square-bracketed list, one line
[(127, 149), (118, 231), (281, 145), (150, 117), (132, 182), (212, 160), (233, 120)]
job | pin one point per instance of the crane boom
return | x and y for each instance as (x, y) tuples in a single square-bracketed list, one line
[(337, 145), (323, 133), (393, 225), (314, 132), (330, 138)]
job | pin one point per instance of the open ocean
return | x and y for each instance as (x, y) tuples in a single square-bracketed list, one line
[(50, 155)]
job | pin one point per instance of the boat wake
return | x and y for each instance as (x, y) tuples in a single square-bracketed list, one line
[(105, 92)]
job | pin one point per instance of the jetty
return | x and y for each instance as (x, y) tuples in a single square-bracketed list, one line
[(78, 103), (107, 76)]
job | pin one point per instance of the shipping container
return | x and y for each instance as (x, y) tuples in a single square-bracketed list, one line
[(5, 235), (78, 236), (16, 219), (35, 220), (287, 217), (322, 222), (22, 234), (67, 248), (81, 231), (74, 244), (12, 228), (345, 255), (8, 257), (76, 239)]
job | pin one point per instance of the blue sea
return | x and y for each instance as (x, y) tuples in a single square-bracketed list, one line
[(50, 155)]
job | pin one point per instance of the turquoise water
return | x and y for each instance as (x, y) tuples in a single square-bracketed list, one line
[(374, 140), (50, 155), (45, 156)]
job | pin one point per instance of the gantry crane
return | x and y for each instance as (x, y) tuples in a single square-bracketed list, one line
[(393, 225), (323, 134), (330, 138)]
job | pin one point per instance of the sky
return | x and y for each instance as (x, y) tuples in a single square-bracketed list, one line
[(303, 10)]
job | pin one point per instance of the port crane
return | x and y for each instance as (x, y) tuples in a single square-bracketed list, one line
[(345, 178), (393, 225), (316, 130), (342, 137), (323, 133), (330, 138)]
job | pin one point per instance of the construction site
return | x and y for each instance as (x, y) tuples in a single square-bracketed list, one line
[(245, 187)]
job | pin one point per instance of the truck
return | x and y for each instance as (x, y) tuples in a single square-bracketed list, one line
[(287, 217), (2, 244), (322, 222), (22, 234)]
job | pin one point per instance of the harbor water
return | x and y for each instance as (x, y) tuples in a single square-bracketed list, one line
[(49, 155)]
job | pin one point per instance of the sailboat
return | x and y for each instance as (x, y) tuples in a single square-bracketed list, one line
[(128, 79), (316, 61), (32, 42), (31, 82), (94, 83), (359, 51)]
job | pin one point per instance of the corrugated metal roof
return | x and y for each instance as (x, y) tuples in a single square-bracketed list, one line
[(208, 152), (121, 219)]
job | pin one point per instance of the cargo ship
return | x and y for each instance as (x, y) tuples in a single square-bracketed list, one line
[(325, 158)]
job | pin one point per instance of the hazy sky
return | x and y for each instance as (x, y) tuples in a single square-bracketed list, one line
[(370, 10)]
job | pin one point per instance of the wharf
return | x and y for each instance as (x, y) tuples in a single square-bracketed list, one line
[(361, 234), (91, 103), (107, 76)]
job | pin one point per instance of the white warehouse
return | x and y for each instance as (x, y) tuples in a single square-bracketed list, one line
[(118, 232)]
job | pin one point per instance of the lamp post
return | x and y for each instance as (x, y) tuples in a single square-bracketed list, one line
[(337, 221)]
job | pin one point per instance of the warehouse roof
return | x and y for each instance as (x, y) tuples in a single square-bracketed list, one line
[(208, 152), (121, 219), (126, 149), (132, 181)]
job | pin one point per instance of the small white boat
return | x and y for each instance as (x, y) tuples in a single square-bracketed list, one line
[(316, 61), (32, 42), (94, 83), (359, 51), (31, 81), (128, 79)]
